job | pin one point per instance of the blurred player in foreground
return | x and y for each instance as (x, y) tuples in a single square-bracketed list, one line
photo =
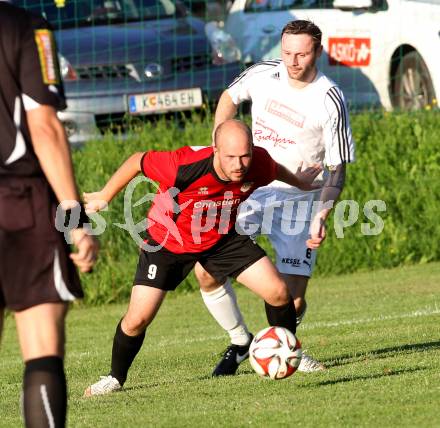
[(37, 276)]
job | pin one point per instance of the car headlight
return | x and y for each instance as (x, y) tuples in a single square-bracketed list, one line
[(67, 71), (224, 48)]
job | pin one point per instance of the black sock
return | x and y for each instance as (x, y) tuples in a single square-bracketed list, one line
[(282, 316), (125, 349), (44, 393)]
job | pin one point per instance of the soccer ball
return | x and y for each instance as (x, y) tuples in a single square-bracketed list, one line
[(275, 352)]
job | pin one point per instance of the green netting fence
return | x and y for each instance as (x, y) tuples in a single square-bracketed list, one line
[(132, 60)]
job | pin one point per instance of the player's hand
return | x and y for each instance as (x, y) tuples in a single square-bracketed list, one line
[(317, 233), (307, 176), (94, 202), (87, 249)]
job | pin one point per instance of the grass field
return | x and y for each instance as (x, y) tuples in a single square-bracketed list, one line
[(378, 332)]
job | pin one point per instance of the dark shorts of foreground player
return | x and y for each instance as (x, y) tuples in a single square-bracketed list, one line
[(228, 258), (35, 266)]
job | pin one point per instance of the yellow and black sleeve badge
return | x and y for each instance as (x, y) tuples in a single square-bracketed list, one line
[(47, 54)]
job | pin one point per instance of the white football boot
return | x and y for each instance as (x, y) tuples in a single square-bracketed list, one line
[(105, 385), (309, 365)]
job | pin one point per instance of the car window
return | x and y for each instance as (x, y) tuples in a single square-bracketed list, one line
[(77, 13), (275, 5)]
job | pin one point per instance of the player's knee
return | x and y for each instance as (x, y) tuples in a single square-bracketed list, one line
[(133, 325), (280, 296), (206, 282)]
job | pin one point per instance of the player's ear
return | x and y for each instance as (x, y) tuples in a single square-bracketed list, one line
[(319, 51)]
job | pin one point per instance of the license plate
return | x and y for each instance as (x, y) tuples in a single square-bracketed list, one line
[(156, 102)]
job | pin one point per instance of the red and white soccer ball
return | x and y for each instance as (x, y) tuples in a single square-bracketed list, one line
[(275, 352)]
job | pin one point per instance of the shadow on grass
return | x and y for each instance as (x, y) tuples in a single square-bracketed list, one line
[(382, 353), (158, 384), (385, 373), (338, 361), (244, 373), (205, 377)]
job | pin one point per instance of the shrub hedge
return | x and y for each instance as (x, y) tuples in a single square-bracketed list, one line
[(398, 162)]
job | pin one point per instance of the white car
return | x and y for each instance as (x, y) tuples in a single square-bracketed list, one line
[(380, 52)]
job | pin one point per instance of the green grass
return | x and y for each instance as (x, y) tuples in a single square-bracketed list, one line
[(377, 332)]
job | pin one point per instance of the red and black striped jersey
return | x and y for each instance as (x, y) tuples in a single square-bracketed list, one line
[(194, 207)]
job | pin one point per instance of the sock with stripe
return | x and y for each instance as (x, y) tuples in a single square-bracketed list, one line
[(44, 393)]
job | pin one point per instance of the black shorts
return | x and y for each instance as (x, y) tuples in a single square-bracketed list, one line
[(35, 266), (229, 257)]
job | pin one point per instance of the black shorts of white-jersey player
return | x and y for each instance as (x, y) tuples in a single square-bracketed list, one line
[(298, 115), (220, 176), (38, 278)]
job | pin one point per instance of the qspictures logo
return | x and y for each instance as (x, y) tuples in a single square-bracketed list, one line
[(292, 217), (286, 113)]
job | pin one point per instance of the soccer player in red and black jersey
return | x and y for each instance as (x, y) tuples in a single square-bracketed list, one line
[(196, 224), (37, 276)]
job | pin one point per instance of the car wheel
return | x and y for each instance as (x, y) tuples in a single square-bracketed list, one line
[(412, 89)]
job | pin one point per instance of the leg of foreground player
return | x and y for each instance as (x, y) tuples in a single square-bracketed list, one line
[(297, 285), (41, 335), (130, 332), (2, 316), (221, 302), (279, 309), (264, 280)]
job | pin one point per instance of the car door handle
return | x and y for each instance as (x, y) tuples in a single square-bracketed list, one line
[(268, 29)]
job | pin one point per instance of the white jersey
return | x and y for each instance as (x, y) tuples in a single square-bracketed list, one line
[(308, 125)]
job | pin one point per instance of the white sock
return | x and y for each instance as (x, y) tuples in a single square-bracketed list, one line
[(222, 305)]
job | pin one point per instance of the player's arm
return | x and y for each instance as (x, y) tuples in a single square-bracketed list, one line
[(301, 179), (329, 195), (226, 109), (237, 92), (339, 151), (97, 201), (52, 150)]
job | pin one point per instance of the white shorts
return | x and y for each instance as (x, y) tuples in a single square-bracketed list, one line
[(285, 218)]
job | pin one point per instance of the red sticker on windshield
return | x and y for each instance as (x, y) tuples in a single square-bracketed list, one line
[(349, 51)]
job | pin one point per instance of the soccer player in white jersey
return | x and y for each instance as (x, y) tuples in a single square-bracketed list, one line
[(300, 117)]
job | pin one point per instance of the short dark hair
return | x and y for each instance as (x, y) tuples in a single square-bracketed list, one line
[(301, 26)]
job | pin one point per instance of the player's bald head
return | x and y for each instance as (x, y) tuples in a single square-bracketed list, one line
[(232, 150), (232, 131)]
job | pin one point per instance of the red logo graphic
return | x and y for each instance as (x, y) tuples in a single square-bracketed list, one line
[(284, 112), (269, 135), (349, 51)]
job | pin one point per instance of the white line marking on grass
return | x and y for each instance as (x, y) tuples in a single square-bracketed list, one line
[(311, 326), (162, 342), (330, 324)]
